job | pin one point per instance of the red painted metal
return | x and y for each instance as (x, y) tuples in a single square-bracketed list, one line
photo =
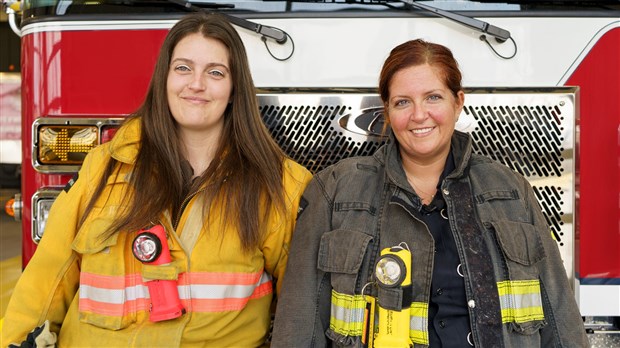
[(106, 74), (598, 77)]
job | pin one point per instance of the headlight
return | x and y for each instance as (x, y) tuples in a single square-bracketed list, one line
[(41, 204)]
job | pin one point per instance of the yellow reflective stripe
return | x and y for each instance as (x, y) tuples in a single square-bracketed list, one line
[(520, 301), (519, 287), (347, 314), (347, 317), (418, 324)]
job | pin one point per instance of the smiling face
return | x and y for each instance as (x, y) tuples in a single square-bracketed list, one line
[(199, 84), (422, 112)]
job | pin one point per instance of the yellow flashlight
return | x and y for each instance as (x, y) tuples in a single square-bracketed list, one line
[(393, 271)]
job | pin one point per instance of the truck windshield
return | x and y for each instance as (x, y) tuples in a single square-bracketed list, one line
[(39, 8)]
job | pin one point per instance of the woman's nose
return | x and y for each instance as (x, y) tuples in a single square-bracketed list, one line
[(197, 82), (417, 113)]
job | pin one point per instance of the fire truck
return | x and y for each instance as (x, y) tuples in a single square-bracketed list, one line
[(542, 85)]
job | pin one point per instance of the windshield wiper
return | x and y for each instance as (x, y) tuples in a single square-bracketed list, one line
[(499, 34), (274, 33)]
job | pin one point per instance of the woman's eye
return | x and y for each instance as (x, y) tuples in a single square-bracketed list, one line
[(216, 73), (400, 103), (182, 68), (434, 97)]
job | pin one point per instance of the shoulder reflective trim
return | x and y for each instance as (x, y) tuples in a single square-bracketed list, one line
[(418, 325), (347, 314), (199, 292), (520, 301)]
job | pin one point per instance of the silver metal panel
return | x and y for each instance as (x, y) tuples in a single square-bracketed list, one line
[(529, 130)]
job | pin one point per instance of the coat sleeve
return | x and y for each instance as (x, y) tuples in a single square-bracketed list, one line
[(50, 281), (302, 314), (275, 247), (564, 323)]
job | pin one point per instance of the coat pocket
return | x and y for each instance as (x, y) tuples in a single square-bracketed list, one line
[(110, 302), (341, 253), (111, 289), (520, 242), (520, 295)]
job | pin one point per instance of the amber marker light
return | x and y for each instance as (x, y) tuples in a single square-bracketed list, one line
[(8, 207), (66, 144)]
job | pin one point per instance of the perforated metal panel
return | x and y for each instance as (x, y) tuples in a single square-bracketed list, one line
[(529, 130)]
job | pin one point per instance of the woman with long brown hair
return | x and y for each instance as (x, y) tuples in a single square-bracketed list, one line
[(176, 230)]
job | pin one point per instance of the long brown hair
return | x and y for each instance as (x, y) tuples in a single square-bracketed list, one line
[(248, 163)]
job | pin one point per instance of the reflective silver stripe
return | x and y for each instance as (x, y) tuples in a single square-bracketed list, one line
[(347, 314), (418, 324), (191, 291), (186, 292), (520, 301), (119, 296), (217, 291)]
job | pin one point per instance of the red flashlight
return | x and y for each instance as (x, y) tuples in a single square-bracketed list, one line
[(151, 247)]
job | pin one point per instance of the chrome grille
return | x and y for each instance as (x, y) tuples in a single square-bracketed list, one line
[(308, 134), (527, 139)]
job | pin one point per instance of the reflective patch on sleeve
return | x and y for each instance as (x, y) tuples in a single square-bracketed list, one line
[(71, 182), (303, 203)]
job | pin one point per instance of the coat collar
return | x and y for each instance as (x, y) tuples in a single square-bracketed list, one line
[(126, 142), (461, 148)]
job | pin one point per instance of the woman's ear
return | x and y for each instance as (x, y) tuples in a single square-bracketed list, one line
[(460, 102), (386, 119), (460, 96)]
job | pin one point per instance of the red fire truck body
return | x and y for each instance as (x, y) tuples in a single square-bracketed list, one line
[(92, 69)]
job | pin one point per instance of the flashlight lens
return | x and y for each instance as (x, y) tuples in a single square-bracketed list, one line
[(388, 271), (146, 247)]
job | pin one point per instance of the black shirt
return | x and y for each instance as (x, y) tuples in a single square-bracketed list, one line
[(449, 324)]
